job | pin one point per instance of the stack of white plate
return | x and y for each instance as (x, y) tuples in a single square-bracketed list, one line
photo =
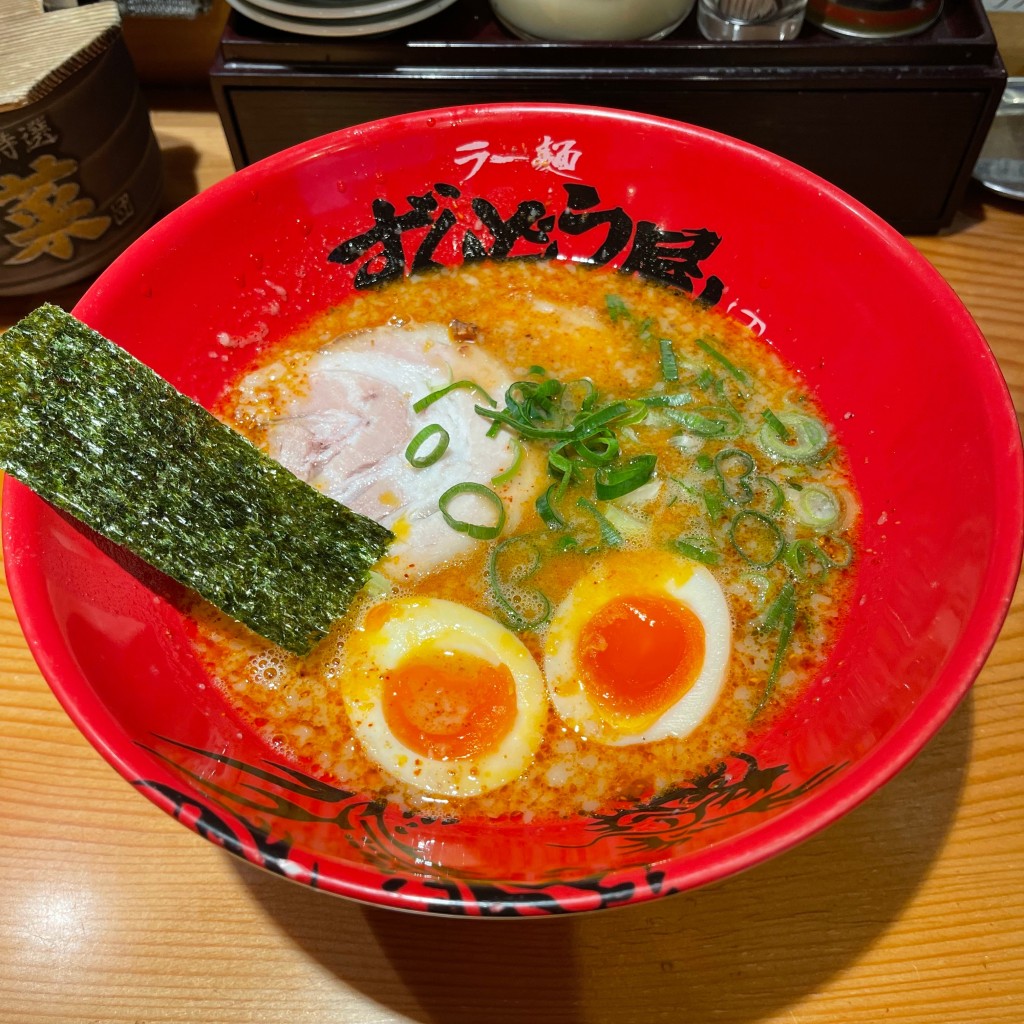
[(339, 17)]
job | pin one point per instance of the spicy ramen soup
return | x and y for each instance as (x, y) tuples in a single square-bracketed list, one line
[(623, 538)]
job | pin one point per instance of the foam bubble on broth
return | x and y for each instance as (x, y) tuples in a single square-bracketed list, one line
[(529, 314)]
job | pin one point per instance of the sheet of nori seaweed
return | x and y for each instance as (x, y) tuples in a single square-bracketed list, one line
[(101, 436)]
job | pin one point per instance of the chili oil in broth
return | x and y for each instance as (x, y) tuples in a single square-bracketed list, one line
[(561, 321)]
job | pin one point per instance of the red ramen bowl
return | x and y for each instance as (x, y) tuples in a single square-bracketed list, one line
[(880, 340)]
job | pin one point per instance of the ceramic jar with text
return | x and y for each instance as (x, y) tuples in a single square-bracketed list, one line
[(80, 173)]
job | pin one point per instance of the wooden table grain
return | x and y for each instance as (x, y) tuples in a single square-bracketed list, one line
[(909, 910)]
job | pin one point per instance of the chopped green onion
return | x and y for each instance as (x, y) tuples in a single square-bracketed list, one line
[(669, 363), (776, 498), (513, 467), (478, 531), (710, 350), (840, 558), (809, 559), (547, 511), (524, 428), (816, 506), (643, 329), (514, 618), (734, 401), (704, 379), (430, 399), (598, 449), (757, 539), (377, 584), (623, 412), (578, 394), (704, 462), (714, 504), (780, 615), (700, 549), (733, 466), (617, 309), (806, 559), (807, 439), (708, 421), (412, 452), (644, 494), (629, 526), (773, 421), (609, 535), (563, 467), (613, 482), (672, 400)]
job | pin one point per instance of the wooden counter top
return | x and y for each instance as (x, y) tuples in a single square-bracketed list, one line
[(909, 910)]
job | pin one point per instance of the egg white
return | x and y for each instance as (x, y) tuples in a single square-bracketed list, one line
[(395, 631), (623, 574)]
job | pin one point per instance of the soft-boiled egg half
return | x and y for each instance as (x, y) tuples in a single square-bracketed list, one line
[(638, 650), (443, 697)]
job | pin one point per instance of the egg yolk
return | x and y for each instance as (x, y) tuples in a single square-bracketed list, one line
[(640, 654), (448, 705)]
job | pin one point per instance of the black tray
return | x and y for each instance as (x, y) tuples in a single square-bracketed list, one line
[(898, 123)]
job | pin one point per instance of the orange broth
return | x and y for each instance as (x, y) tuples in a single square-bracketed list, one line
[(578, 322)]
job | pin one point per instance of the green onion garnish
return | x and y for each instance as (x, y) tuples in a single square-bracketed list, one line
[(776, 499), (517, 460), (523, 427), (704, 380), (714, 505), (615, 481), (547, 511), (662, 401), (776, 424), (560, 465), (809, 559), (609, 535), (757, 539), (478, 531), (730, 368), (617, 309), (806, 441), (700, 549), (430, 399), (669, 363), (780, 615), (733, 467), (600, 449), (708, 421), (514, 618), (412, 452), (838, 550), (816, 506)]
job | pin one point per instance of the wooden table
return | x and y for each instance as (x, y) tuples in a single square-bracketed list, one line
[(909, 910)]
